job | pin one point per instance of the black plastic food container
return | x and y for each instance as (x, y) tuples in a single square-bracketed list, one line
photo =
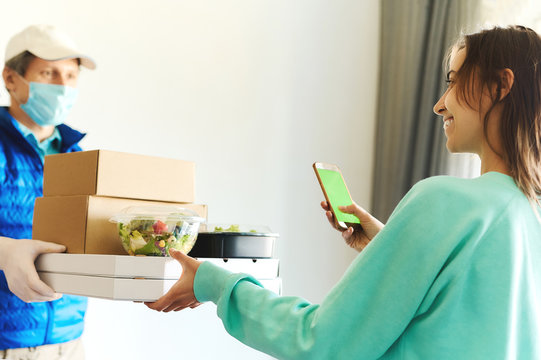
[(234, 241)]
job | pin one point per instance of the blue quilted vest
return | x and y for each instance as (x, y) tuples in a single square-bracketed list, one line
[(21, 181)]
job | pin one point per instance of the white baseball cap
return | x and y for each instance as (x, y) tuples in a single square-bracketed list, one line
[(47, 43)]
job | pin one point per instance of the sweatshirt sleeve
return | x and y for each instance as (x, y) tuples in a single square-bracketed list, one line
[(370, 307)]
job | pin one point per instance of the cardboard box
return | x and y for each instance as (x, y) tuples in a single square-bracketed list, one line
[(116, 174), (121, 288), (148, 267), (134, 278), (118, 266), (107, 287), (261, 269), (81, 223)]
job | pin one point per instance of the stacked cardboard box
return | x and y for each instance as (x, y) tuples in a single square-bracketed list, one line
[(83, 190), (136, 278)]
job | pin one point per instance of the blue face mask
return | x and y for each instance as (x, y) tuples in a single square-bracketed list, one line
[(49, 104)]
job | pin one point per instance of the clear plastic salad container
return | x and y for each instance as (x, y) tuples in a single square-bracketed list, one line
[(153, 230)]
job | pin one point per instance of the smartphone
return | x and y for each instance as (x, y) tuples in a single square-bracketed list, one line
[(336, 192)]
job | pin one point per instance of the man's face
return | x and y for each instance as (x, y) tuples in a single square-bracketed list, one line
[(59, 72)]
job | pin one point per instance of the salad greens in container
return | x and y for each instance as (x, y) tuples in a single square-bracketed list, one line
[(153, 230)]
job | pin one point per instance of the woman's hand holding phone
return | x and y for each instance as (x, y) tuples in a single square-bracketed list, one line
[(356, 236), (357, 226)]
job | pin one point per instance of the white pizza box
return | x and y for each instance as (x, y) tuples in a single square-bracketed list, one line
[(135, 278), (148, 267), (121, 288)]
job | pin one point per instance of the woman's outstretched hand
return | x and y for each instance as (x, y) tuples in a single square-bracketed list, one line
[(181, 295), (356, 236)]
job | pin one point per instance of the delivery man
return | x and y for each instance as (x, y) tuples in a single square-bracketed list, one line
[(40, 74)]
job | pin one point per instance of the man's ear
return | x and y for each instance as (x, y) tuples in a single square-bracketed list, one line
[(507, 79), (7, 75)]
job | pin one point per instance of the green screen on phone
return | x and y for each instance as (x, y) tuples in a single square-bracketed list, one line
[(337, 193)]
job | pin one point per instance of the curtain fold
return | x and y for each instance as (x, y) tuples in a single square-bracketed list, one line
[(410, 143)]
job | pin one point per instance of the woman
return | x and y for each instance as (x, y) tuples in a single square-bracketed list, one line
[(455, 273)]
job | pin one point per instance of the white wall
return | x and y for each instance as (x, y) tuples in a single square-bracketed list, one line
[(254, 92)]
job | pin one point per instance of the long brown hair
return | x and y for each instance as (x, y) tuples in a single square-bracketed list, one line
[(488, 53)]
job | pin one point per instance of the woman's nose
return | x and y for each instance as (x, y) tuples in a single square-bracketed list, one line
[(439, 107)]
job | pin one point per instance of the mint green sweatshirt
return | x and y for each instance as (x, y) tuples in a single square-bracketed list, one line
[(455, 274)]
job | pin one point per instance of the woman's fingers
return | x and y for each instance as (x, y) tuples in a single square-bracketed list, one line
[(181, 294), (325, 206), (358, 235), (180, 305), (158, 305), (167, 304), (349, 209), (346, 234), (354, 209), (178, 256), (330, 216)]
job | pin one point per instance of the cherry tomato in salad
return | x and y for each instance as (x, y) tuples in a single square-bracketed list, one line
[(159, 227)]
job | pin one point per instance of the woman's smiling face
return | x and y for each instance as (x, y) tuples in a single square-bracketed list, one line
[(463, 125)]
